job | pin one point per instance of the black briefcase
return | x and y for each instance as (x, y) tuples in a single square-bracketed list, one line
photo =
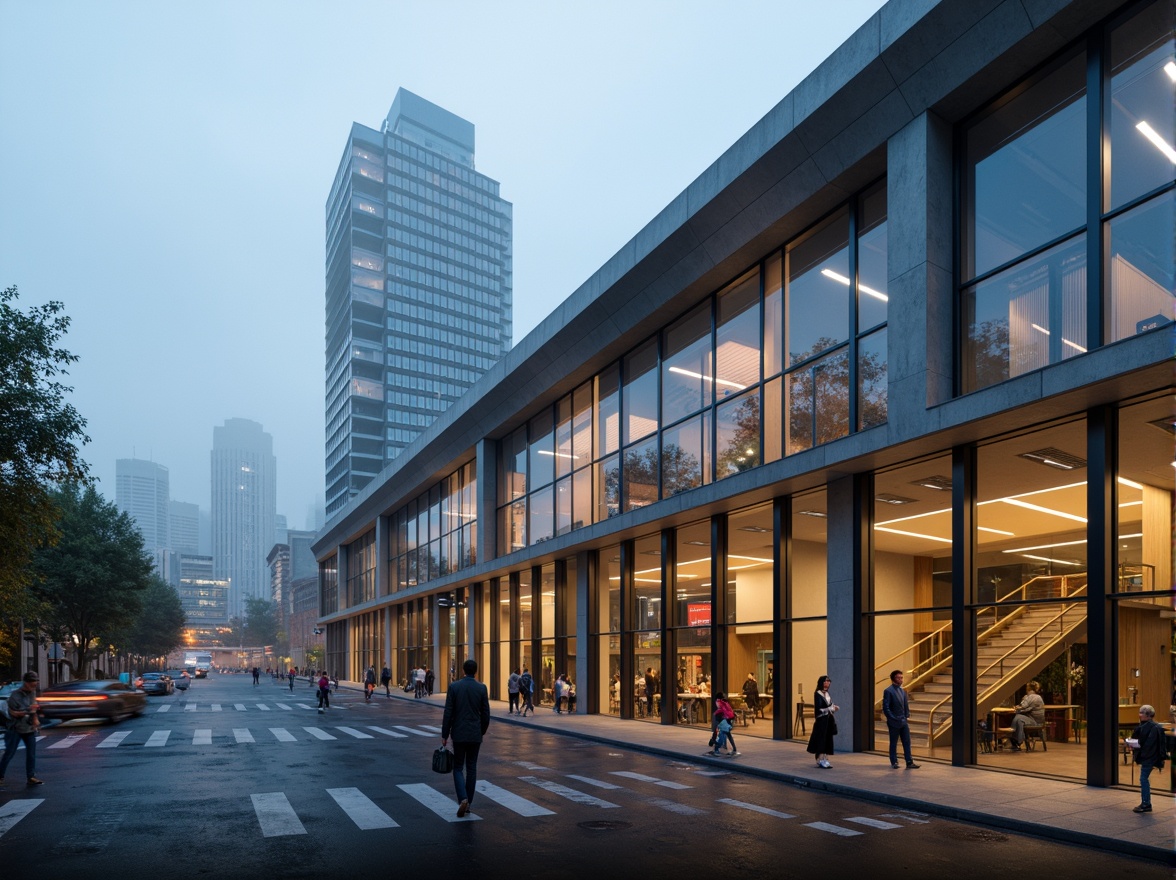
[(442, 761)]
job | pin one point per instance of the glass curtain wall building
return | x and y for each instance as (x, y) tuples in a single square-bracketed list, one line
[(418, 286), (883, 389)]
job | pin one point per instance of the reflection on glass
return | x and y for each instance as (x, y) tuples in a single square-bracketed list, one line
[(681, 457), (773, 315), (541, 456), (1142, 268), (873, 296), (686, 379), (640, 474), (817, 296), (737, 435), (541, 524), (608, 410), (737, 350), (608, 488), (818, 402), (640, 392), (773, 420), (872, 380)]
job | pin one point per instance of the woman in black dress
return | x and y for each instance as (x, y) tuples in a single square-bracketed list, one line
[(824, 727)]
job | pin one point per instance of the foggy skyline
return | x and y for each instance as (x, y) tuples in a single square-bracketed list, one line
[(165, 171)]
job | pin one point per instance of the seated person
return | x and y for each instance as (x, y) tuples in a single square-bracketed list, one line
[(1030, 711)]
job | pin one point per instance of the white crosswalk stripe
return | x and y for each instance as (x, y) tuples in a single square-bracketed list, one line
[(263, 707), (872, 823), (283, 706), (387, 732), (599, 783), (158, 739), (832, 829), (13, 811), (641, 777), (21, 746), (571, 794), (202, 738), (190, 707), (360, 809), (443, 806), (216, 707), (531, 765), (275, 815), (755, 808), (114, 739), (412, 730), (510, 800), (358, 734), (68, 741), (242, 735), (431, 727), (282, 735), (910, 817), (240, 707), (319, 733), (164, 708), (304, 705), (675, 807)]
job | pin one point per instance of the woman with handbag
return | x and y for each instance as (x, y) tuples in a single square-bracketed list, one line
[(824, 727)]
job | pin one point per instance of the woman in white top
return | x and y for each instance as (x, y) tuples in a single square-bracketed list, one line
[(824, 728)]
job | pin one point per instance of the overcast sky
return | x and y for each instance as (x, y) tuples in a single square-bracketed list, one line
[(164, 169)]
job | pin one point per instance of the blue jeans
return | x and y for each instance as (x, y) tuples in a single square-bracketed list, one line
[(465, 770), (720, 740), (905, 733), (12, 741), (1144, 783)]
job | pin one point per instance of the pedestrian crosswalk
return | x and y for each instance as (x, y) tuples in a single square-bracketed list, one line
[(526, 797), (239, 735), (240, 707)]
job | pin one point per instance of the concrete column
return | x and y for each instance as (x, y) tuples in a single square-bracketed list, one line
[(383, 578), (844, 629), (919, 261), (486, 499), (583, 646)]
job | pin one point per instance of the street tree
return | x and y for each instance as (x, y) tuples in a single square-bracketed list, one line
[(40, 436), (91, 584), (261, 622), (158, 629)]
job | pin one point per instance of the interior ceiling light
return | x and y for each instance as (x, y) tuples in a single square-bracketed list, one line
[(942, 484), (651, 553), (1055, 561), (887, 498), (994, 531), (558, 454), (841, 279), (890, 522), (1160, 144), (914, 535), (1123, 481), (693, 375), (820, 515), (1045, 546), (758, 529), (697, 543), (1055, 458), (1041, 509)]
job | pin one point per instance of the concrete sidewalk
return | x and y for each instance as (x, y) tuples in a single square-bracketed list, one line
[(1069, 812)]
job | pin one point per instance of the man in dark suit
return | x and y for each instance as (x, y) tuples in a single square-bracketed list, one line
[(897, 710), (467, 716)]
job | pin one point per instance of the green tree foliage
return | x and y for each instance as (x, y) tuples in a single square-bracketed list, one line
[(159, 627), (91, 584), (261, 622), (40, 436)]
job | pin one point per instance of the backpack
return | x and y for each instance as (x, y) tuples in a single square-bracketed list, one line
[(525, 681)]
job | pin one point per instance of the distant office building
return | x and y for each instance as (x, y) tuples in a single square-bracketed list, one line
[(290, 561), (204, 598), (141, 490), (280, 529), (316, 514), (418, 286), (301, 625), (244, 497), (184, 527)]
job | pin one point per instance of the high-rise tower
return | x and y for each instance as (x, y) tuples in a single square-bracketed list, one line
[(141, 489), (418, 286), (244, 502)]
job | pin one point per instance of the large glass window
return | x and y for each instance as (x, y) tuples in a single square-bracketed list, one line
[(683, 456), (816, 299), (737, 337), (750, 586), (691, 622), (686, 379), (646, 625), (807, 605), (604, 626)]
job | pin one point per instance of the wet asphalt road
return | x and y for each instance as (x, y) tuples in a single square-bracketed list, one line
[(242, 791)]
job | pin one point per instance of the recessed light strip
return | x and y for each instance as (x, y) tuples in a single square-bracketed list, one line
[(869, 291)]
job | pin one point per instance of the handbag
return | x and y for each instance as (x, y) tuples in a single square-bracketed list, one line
[(443, 760)]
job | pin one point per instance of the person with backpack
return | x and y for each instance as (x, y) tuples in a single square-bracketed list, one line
[(722, 722), (1147, 742), (369, 684), (324, 693), (526, 689), (512, 690), (386, 680)]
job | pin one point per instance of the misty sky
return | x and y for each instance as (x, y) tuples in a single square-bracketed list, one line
[(164, 169)]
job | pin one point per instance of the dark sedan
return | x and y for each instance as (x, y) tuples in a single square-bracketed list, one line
[(158, 684), (111, 700)]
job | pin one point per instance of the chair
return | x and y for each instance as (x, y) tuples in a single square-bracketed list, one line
[(1035, 732), (985, 736)]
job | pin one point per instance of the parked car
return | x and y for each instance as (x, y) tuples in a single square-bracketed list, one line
[(180, 678), (106, 698), (157, 684)]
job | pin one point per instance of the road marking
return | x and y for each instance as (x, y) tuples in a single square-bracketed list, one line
[(166, 708), (641, 777), (433, 800), (202, 738), (243, 735), (431, 727), (571, 794), (872, 823), (68, 741), (597, 782), (114, 739), (832, 829), (387, 732), (304, 706), (360, 809), (358, 734), (412, 730), (190, 707), (282, 735), (913, 818), (13, 811), (283, 706), (510, 800), (240, 707), (263, 707), (275, 815), (21, 746), (675, 807), (216, 707), (755, 808), (318, 733), (157, 739), (530, 765)]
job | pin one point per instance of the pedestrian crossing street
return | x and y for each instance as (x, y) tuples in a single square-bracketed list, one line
[(211, 736), (283, 706), (526, 796)]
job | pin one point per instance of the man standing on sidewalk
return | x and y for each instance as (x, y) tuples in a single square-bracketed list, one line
[(23, 725), (897, 710), (467, 717)]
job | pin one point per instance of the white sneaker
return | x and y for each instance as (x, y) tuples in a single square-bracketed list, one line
[(826, 765), (736, 754)]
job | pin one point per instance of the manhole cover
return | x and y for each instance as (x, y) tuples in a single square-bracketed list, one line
[(601, 825)]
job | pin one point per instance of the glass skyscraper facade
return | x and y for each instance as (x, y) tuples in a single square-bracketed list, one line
[(418, 286)]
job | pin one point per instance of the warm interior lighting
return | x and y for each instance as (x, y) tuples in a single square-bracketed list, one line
[(1045, 546), (1123, 481), (1041, 509), (1055, 561), (558, 454), (841, 279), (1160, 144), (994, 531), (1065, 341), (693, 375), (913, 534)]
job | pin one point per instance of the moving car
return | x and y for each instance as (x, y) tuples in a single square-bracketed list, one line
[(92, 699), (156, 683), (181, 679)]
